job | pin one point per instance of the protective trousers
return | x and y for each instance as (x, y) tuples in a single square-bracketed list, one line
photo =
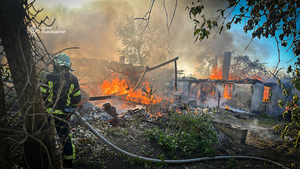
[(63, 130)]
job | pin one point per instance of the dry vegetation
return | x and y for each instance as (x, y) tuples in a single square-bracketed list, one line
[(261, 141)]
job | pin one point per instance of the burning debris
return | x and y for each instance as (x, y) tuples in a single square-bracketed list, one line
[(222, 88), (121, 87), (122, 98), (111, 111)]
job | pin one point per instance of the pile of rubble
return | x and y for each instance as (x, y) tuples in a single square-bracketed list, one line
[(108, 114)]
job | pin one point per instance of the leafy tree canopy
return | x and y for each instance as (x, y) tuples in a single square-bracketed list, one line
[(139, 45), (266, 18)]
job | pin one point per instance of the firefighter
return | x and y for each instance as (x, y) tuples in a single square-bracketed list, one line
[(61, 94)]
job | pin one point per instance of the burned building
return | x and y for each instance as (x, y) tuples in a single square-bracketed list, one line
[(245, 95)]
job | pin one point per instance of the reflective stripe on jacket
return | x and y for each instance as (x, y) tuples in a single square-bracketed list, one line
[(62, 86)]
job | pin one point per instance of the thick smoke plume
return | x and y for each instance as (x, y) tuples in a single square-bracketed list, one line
[(91, 27)]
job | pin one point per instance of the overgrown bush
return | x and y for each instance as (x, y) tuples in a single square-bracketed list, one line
[(184, 134), (292, 111)]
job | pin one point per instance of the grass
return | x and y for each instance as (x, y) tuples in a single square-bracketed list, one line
[(117, 131), (184, 134)]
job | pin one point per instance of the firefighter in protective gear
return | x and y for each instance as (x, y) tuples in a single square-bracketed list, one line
[(62, 89)]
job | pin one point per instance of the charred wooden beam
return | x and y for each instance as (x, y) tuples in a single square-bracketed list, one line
[(106, 97), (162, 64), (147, 69)]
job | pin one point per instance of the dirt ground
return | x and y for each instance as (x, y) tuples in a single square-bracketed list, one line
[(262, 141)]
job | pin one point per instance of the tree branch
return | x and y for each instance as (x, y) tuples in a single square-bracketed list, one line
[(278, 57), (167, 24), (147, 16), (65, 49)]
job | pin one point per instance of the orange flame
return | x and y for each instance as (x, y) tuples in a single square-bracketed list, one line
[(115, 86), (266, 93), (178, 111), (227, 108), (257, 78), (216, 73), (156, 115), (121, 87), (228, 91)]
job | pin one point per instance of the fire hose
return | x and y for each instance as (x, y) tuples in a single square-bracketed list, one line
[(167, 161)]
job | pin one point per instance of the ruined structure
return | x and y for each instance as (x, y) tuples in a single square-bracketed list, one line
[(244, 95)]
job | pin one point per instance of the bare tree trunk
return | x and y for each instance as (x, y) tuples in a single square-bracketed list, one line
[(39, 145), (5, 156)]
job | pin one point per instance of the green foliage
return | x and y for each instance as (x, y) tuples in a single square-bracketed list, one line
[(14, 117), (117, 132), (147, 152), (136, 161), (265, 115), (6, 73), (292, 109), (232, 162), (161, 164), (11, 95), (124, 132), (101, 163), (263, 18), (292, 129), (185, 133)]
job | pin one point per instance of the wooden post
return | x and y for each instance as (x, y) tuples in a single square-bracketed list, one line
[(189, 89), (201, 93), (266, 106), (214, 89), (175, 81), (219, 96)]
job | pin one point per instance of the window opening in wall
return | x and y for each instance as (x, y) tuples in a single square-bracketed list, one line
[(228, 91), (266, 94)]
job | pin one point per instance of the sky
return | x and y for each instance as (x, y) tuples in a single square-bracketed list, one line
[(286, 55), (90, 25)]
